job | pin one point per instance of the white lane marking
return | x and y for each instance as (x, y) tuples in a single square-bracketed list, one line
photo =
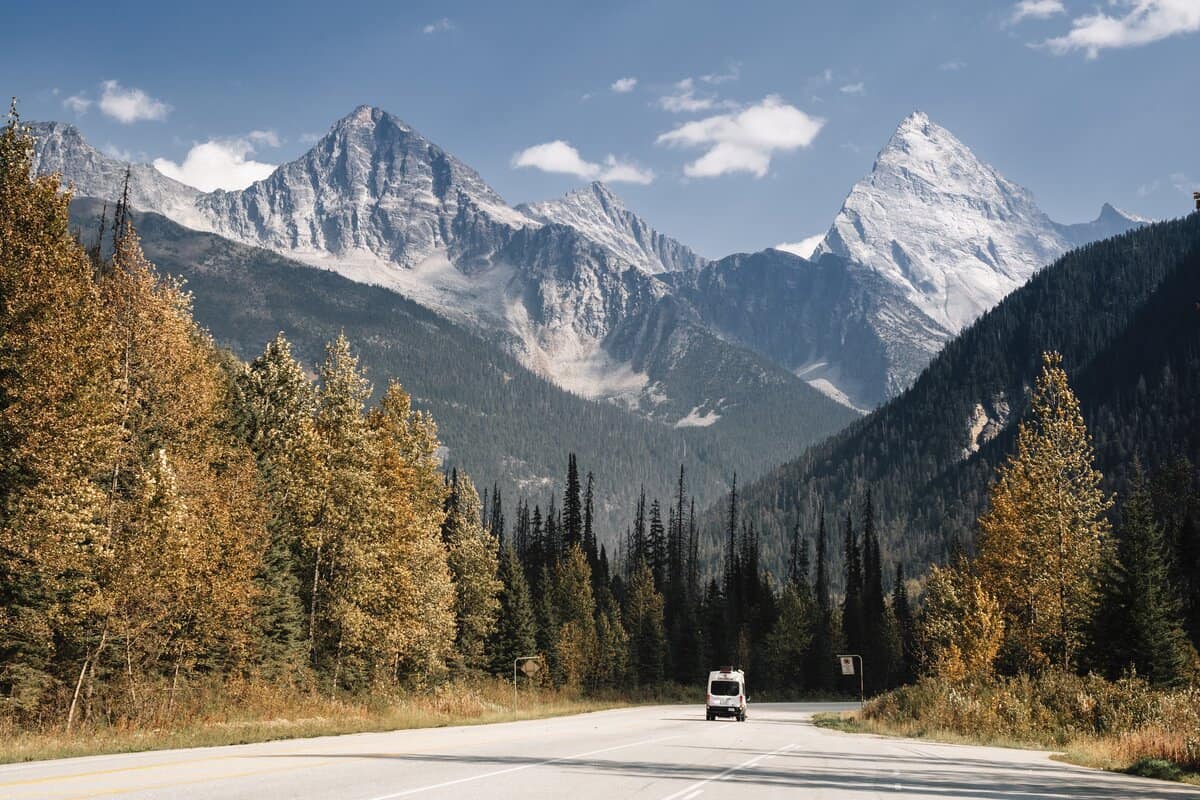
[(694, 794), (468, 779), (682, 794)]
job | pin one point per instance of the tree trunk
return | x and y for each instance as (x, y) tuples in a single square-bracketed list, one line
[(88, 661)]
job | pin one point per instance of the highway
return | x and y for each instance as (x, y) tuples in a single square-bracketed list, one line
[(657, 752)]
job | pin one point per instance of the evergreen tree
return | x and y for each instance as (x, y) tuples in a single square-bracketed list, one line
[(589, 534), (657, 547), (277, 404), (853, 625), (1138, 622), (572, 507), (515, 634), (819, 671), (905, 628), (644, 621)]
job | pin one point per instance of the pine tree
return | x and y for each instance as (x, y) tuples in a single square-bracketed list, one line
[(277, 403), (1138, 622), (657, 547), (853, 624), (572, 507), (515, 634), (644, 622), (589, 535), (1040, 540), (819, 672), (788, 643), (905, 628)]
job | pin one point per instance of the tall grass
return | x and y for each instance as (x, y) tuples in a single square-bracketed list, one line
[(1122, 725), (241, 712)]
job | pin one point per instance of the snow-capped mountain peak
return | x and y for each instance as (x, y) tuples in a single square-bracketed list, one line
[(372, 186), (947, 228), (597, 213)]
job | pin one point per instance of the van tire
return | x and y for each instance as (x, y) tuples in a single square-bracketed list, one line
[(709, 716), (741, 717)]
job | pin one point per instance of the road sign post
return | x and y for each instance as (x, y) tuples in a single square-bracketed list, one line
[(847, 663), (531, 667)]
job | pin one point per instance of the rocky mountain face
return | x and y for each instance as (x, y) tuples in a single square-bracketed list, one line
[(90, 173), (586, 293), (950, 231), (601, 217), (930, 240), (572, 288)]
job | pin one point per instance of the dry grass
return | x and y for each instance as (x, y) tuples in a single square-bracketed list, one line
[(242, 714), (1125, 726)]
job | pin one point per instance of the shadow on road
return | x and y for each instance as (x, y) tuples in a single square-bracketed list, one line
[(967, 778)]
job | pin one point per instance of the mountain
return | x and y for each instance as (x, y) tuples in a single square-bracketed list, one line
[(601, 217), (61, 148), (1122, 312), (839, 326), (498, 420), (583, 306), (951, 233)]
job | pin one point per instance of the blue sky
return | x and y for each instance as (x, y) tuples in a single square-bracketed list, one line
[(740, 125)]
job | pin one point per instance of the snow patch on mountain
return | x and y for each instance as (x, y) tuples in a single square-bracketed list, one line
[(699, 418)]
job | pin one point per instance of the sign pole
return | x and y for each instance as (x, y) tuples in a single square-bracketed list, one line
[(531, 667), (847, 662)]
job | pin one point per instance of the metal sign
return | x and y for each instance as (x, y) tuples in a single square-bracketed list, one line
[(847, 665), (531, 667)]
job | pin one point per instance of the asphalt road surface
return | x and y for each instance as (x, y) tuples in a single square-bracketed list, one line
[(659, 752)]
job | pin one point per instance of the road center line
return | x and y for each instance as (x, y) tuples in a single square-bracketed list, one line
[(693, 789), (431, 787)]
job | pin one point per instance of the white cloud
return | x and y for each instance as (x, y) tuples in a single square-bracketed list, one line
[(130, 105), (684, 99), (954, 65), (559, 156), (269, 138), (1036, 9), (438, 26), (854, 88), (220, 163), (803, 248), (77, 104), (745, 141), (623, 85), (1143, 22)]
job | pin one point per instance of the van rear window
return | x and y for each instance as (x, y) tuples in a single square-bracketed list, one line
[(725, 688)]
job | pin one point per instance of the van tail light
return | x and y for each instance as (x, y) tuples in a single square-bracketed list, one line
[(708, 699), (739, 699)]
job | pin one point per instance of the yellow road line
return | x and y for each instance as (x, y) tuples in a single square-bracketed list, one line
[(192, 781)]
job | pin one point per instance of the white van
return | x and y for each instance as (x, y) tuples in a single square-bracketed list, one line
[(726, 695)]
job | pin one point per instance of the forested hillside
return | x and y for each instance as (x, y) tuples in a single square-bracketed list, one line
[(497, 420), (1122, 313)]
